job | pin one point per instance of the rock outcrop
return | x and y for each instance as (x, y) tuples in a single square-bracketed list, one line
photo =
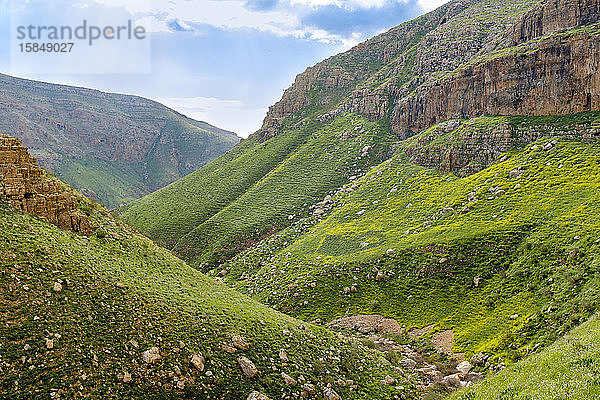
[(553, 15), (559, 75), (27, 187)]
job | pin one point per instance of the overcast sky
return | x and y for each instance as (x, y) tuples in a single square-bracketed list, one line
[(220, 61)]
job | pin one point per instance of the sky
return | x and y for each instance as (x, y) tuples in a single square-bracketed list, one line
[(219, 61)]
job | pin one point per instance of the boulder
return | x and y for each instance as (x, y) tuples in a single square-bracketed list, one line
[(248, 368), (240, 343), (151, 356), (464, 367), (197, 361)]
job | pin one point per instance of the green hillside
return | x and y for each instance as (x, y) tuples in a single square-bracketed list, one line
[(300, 156), (257, 188), (79, 312), (505, 258), (113, 147), (568, 369)]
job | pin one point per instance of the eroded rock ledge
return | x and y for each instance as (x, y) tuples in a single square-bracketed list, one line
[(27, 187)]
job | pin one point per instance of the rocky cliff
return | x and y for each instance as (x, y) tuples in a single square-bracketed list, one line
[(467, 59), (27, 187)]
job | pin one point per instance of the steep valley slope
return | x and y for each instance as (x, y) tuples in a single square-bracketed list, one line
[(443, 174), (108, 314), (114, 148)]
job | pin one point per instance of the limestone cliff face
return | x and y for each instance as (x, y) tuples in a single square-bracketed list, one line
[(472, 58), (27, 187), (558, 76), (328, 82), (470, 147), (554, 15)]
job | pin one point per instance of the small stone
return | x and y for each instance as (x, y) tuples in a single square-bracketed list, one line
[(198, 361), (151, 356), (452, 380), (309, 389), (248, 368), (120, 285), (388, 380), (408, 363), (283, 355), (464, 367), (362, 245), (127, 377), (240, 343), (330, 394), (389, 252), (257, 396), (209, 373), (26, 347), (57, 287), (288, 379), (514, 316), (49, 344), (180, 384)]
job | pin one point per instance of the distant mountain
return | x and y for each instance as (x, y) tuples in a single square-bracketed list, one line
[(113, 147)]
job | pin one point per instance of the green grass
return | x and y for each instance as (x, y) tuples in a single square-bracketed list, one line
[(569, 369), (533, 248), (122, 295), (253, 190)]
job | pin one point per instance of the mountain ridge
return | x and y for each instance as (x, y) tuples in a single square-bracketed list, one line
[(115, 147)]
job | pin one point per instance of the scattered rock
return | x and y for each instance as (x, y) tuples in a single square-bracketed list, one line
[(180, 384), (240, 343), (330, 394), (515, 173), (478, 359), (309, 389), (514, 316), (362, 245), (197, 361), (283, 355), (49, 344), (257, 396), (452, 380), (151, 356), (288, 379), (388, 380), (248, 368), (381, 276), (127, 377), (464, 367), (408, 363), (448, 210), (57, 287)]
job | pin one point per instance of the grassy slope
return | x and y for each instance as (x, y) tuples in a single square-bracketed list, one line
[(98, 138), (252, 190), (100, 329), (569, 369), (534, 248)]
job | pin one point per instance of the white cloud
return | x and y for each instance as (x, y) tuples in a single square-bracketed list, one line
[(233, 115), (429, 5), (233, 15)]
